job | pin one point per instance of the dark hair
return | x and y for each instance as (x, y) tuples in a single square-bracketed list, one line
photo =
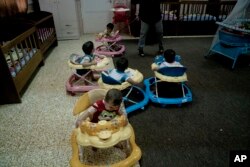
[(169, 55), (110, 26), (122, 64), (87, 47), (114, 96)]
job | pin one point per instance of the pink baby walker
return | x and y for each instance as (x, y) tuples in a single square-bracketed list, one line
[(83, 83), (110, 46)]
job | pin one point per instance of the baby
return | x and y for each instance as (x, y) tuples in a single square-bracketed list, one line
[(108, 33), (119, 73), (106, 109), (169, 60)]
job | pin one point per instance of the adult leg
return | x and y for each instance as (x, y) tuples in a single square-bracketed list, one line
[(159, 33), (143, 34)]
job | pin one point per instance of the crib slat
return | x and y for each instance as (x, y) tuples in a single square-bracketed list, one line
[(33, 37), (18, 58)]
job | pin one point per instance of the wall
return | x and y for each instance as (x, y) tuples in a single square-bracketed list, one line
[(97, 14)]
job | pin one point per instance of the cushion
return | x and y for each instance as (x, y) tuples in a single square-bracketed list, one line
[(172, 71)]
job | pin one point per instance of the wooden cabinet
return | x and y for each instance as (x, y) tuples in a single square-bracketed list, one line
[(65, 17)]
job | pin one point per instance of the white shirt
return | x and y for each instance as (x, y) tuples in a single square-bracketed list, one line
[(119, 76), (174, 64)]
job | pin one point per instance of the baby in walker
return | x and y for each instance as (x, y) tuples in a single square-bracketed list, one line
[(119, 73), (169, 59), (86, 60), (106, 109), (109, 37), (108, 33)]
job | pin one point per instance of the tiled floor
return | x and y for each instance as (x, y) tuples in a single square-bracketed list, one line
[(37, 131)]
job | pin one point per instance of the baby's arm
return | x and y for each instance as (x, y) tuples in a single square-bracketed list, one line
[(122, 110), (155, 67), (100, 56), (86, 114), (131, 81), (86, 64), (129, 78)]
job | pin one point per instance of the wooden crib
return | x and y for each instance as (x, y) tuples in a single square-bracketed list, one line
[(23, 43), (45, 28), (19, 58), (192, 17)]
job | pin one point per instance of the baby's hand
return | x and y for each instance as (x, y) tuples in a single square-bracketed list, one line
[(78, 123), (94, 62)]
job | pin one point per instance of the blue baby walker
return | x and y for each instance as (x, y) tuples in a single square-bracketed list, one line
[(168, 86), (232, 42), (233, 36), (134, 97)]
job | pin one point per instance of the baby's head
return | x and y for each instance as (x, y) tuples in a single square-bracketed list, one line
[(88, 47), (122, 64), (110, 27), (169, 55), (113, 99)]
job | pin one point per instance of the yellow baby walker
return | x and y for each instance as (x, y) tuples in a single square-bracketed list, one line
[(113, 135)]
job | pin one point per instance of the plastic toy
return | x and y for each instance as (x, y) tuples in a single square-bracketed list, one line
[(104, 135), (110, 46), (168, 86), (133, 96), (77, 83)]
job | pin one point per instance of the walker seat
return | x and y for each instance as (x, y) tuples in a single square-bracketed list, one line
[(110, 46), (133, 96), (82, 83), (104, 135), (168, 86)]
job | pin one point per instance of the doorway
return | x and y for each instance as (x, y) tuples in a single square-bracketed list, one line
[(95, 15)]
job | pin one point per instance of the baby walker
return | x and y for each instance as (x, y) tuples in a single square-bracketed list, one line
[(233, 41), (83, 83), (133, 96), (168, 86), (110, 46), (121, 13), (104, 135)]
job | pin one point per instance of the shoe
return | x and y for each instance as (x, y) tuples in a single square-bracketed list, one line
[(161, 50), (141, 53)]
